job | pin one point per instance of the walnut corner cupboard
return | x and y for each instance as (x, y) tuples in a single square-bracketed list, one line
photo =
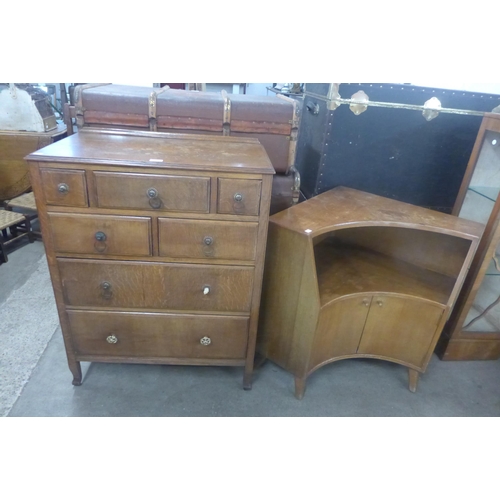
[(365, 276), (156, 245)]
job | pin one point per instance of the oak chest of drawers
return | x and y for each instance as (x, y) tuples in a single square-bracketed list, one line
[(155, 244)]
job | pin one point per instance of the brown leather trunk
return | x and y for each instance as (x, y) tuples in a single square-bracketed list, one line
[(271, 119), (286, 190)]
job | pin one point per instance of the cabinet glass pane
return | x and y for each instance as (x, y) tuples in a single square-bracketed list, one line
[(481, 196)]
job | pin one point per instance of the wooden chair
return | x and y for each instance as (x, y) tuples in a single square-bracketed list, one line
[(14, 222), (25, 204)]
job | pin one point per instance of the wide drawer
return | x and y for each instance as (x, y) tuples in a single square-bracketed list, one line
[(153, 192), (147, 285), (101, 234), (158, 335), (181, 238), (238, 196), (64, 187)]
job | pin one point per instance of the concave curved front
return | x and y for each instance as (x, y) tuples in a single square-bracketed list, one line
[(386, 326)]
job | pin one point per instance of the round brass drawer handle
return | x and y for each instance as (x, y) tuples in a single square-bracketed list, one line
[(238, 197), (111, 339), (208, 240), (63, 188), (205, 341)]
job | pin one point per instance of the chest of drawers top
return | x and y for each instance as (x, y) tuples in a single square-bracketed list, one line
[(155, 150)]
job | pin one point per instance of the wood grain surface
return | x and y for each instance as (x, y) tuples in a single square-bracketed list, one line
[(188, 152)]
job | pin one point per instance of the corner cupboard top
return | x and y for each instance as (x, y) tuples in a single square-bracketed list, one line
[(342, 207)]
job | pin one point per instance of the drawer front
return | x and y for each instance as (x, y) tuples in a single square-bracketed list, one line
[(158, 335), (207, 239), (153, 192), (64, 187), (146, 285), (238, 196), (101, 234)]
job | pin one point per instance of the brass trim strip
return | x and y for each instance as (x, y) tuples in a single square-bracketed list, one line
[(226, 117), (335, 102), (152, 107)]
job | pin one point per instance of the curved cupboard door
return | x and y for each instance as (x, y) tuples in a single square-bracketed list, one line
[(400, 328), (339, 328)]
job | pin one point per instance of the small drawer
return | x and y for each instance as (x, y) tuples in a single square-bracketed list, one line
[(64, 187), (238, 196), (153, 192), (101, 234), (158, 335), (183, 238), (148, 285)]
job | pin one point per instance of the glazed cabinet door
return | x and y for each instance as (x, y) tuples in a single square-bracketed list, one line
[(400, 328)]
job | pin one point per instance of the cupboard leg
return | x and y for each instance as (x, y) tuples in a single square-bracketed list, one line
[(413, 379), (76, 370), (300, 387), (247, 379)]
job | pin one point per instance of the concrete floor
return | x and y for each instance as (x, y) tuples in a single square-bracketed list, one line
[(345, 388)]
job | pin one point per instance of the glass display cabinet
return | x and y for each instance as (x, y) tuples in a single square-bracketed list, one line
[(473, 330)]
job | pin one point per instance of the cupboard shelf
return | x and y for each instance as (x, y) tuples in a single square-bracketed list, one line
[(347, 270)]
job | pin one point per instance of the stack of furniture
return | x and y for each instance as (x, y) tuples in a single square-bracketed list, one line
[(272, 120), (365, 276), (156, 245)]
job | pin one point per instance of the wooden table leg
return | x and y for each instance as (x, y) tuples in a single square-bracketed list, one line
[(413, 379)]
